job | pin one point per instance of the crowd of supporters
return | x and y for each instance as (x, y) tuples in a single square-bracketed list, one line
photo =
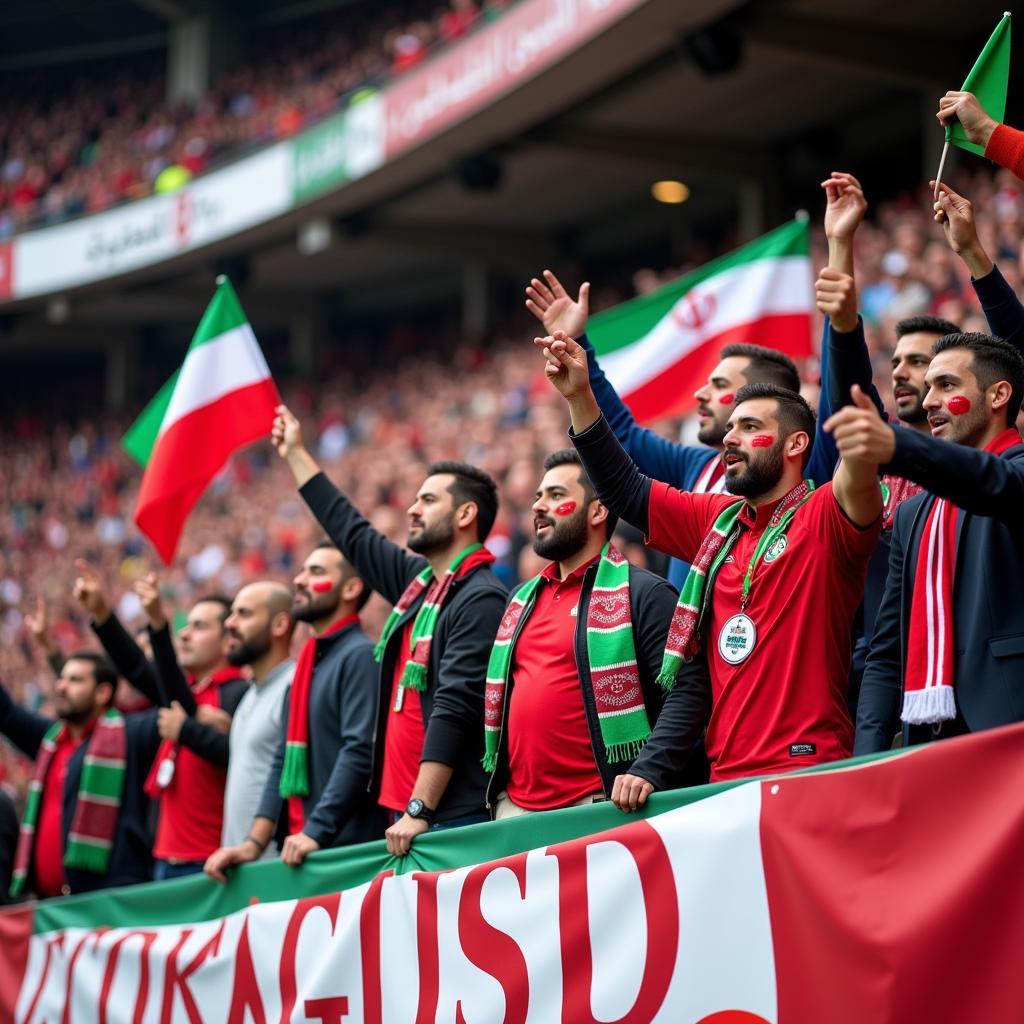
[(93, 141), (486, 447)]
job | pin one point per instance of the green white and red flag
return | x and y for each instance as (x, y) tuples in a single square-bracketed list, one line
[(221, 399), (659, 348), (886, 890)]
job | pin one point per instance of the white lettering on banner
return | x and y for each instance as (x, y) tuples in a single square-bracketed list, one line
[(522, 42), (151, 230), (661, 920)]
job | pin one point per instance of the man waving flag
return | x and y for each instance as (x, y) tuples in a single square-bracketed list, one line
[(220, 400)]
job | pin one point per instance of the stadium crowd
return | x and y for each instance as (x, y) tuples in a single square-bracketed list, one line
[(97, 140), (303, 712)]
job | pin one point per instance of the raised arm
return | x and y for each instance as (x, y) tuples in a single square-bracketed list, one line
[(384, 566), (655, 455), (22, 727), (38, 625), (864, 440)]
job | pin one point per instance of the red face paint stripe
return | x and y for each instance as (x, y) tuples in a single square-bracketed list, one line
[(958, 405), (727, 399), (566, 508), (321, 586), (762, 441)]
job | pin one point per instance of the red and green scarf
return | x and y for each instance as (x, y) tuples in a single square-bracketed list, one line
[(928, 682), (294, 783), (611, 654), (684, 631), (414, 675), (97, 803)]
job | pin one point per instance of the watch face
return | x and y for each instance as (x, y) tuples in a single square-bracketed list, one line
[(414, 808)]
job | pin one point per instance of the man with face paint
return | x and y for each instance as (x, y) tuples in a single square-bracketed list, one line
[(947, 653), (571, 695), (848, 359), (689, 467), (778, 574), (319, 776), (432, 655)]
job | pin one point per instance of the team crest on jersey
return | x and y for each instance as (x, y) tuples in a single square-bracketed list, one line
[(776, 548)]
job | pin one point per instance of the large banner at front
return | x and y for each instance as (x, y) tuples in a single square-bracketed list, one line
[(888, 891)]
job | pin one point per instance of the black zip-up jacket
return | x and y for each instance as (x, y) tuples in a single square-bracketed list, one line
[(131, 859), (453, 702), (652, 601), (342, 703)]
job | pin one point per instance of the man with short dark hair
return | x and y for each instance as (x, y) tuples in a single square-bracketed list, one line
[(571, 695), (433, 651), (189, 771), (319, 776), (776, 578), (947, 642), (691, 468), (84, 825)]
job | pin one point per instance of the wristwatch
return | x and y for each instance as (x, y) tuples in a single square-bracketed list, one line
[(418, 809)]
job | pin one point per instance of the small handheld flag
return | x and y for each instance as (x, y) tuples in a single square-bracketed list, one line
[(221, 399)]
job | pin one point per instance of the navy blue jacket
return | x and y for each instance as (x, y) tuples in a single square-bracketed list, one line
[(453, 701), (131, 858), (342, 705), (681, 465), (849, 363), (988, 602)]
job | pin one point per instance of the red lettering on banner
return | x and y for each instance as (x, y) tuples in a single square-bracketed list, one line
[(142, 991), (245, 992), (95, 935), (661, 906), (175, 979), (332, 1010), (51, 945), (427, 955), (494, 952), (369, 943), (329, 904)]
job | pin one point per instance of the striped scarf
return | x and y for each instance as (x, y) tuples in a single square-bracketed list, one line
[(414, 675), (611, 654), (684, 631), (97, 803), (928, 695), (294, 782)]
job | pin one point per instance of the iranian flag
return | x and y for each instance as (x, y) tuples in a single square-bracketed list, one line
[(887, 890), (658, 349), (221, 399)]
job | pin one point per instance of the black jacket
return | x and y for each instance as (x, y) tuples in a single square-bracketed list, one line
[(131, 858), (342, 704), (9, 828), (453, 701), (652, 601), (162, 682), (988, 611)]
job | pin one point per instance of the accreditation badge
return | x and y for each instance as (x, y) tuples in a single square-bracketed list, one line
[(165, 773), (737, 638)]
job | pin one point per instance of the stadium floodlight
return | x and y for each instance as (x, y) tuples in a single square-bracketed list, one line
[(670, 191)]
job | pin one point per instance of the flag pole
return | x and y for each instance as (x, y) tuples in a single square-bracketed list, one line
[(938, 173)]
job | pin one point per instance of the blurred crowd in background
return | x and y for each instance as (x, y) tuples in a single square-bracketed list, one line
[(67, 490), (81, 144)]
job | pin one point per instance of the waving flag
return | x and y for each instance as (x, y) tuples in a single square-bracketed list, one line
[(221, 399), (988, 81), (659, 348)]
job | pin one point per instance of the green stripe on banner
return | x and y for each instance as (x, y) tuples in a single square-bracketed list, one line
[(624, 324), (196, 898)]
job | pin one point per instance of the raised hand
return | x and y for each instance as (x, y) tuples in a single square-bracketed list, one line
[(964, 106), (148, 591), (845, 205), (38, 624), (566, 366), (956, 215), (861, 435), (89, 593), (554, 307), (286, 433), (836, 297)]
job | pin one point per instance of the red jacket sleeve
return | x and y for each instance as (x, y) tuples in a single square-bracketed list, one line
[(1006, 148)]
